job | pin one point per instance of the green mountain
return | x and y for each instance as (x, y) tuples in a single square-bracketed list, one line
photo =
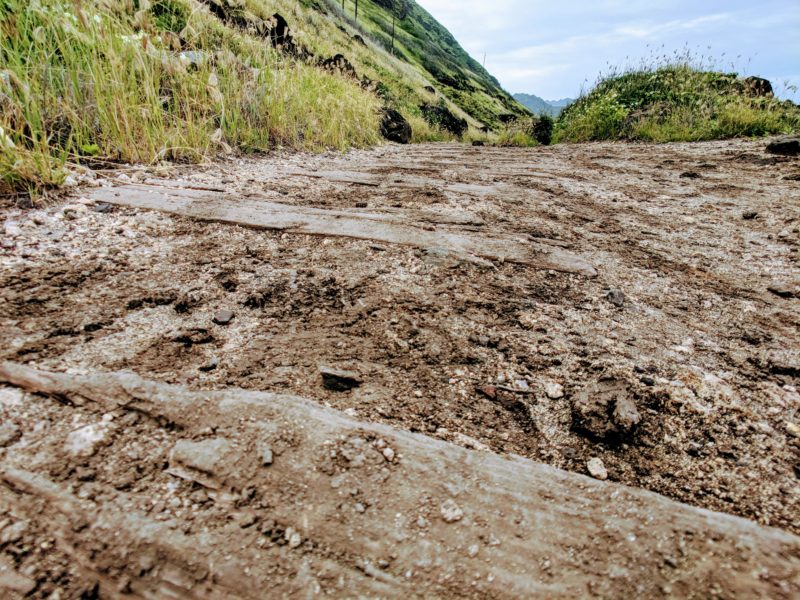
[(422, 65), (539, 106)]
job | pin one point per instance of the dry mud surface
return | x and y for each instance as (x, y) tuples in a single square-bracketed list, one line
[(674, 360)]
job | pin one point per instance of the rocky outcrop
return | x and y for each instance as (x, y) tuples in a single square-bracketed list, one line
[(440, 116), (757, 87), (394, 127)]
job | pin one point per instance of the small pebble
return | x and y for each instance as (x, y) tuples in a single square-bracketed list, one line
[(554, 390), (597, 469), (616, 297), (223, 317), (451, 512)]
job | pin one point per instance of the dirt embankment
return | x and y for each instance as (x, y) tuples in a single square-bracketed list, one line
[(675, 363)]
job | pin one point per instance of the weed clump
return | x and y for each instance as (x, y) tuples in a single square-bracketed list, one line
[(107, 82), (677, 100)]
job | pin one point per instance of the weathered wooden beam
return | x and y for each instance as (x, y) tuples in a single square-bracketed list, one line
[(402, 514), (390, 228)]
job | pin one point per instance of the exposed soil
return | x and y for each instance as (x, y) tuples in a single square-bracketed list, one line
[(676, 365)]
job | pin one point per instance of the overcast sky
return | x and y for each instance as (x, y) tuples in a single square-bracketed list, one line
[(551, 48)]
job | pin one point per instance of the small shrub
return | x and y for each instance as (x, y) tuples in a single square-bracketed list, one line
[(170, 15), (673, 101)]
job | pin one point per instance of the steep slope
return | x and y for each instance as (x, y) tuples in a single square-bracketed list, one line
[(141, 81), (422, 65)]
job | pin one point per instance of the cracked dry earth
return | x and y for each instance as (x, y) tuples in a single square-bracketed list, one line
[(630, 303)]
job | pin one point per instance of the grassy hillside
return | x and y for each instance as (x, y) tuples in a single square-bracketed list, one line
[(676, 102), (98, 81)]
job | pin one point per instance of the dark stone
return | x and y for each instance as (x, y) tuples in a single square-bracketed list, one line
[(438, 115), (749, 215), (605, 409), (279, 33), (647, 380), (357, 38), (690, 175), (478, 143), (192, 337), (543, 130), (339, 381), (789, 146), (394, 127), (339, 64), (758, 87), (616, 297), (782, 291), (223, 317), (430, 89), (103, 207)]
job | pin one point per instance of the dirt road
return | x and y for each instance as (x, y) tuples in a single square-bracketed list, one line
[(629, 303)]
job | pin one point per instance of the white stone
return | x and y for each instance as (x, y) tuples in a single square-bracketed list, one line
[(597, 469), (86, 440), (451, 512), (554, 390)]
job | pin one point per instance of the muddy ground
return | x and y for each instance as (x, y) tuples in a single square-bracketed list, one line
[(676, 365)]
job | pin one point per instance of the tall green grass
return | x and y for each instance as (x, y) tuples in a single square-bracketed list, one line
[(674, 98), (101, 81)]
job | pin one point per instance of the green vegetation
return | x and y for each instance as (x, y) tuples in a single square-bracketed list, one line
[(97, 81), (675, 101), (83, 83)]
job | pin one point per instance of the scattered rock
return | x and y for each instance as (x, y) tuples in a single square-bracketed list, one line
[(789, 146), (450, 511), (204, 456), (13, 583), (440, 116), (192, 337), (294, 538), (554, 390), (616, 297), (605, 409), (647, 380), (793, 429), (690, 175), (103, 207), (782, 291), (71, 211), (758, 87), (223, 317), (388, 454), (489, 391), (597, 469), (266, 455), (338, 380), (749, 215), (478, 143), (211, 366), (339, 64), (394, 127), (9, 434), (85, 441)]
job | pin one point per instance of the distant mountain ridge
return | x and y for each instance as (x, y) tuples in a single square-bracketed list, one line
[(540, 106)]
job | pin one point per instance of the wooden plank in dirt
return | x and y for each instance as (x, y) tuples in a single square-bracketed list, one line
[(418, 516), (388, 228)]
